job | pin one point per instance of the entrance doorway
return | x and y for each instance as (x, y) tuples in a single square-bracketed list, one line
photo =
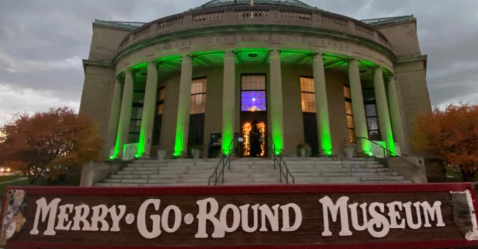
[(253, 108)]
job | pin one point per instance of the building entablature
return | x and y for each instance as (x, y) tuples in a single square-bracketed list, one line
[(268, 16), (246, 39)]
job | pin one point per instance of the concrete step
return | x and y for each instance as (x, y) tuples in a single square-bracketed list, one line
[(188, 160), (148, 185), (252, 171), (253, 175), (161, 176), (383, 178), (339, 170), (183, 180), (327, 179), (332, 163), (266, 180), (388, 182), (169, 166), (375, 173)]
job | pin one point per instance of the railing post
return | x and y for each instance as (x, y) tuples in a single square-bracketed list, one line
[(223, 176)]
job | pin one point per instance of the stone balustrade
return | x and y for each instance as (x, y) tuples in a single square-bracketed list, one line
[(247, 15)]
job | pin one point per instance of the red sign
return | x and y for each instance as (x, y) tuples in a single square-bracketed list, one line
[(285, 216)]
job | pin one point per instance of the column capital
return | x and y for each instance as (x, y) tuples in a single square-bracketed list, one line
[(376, 68), (315, 53), (130, 71), (350, 59), (156, 63), (274, 52), (189, 57), (230, 53)]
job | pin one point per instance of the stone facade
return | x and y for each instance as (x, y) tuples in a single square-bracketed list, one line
[(295, 34)]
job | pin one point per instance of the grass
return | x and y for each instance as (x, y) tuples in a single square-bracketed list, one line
[(21, 182), (9, 178)]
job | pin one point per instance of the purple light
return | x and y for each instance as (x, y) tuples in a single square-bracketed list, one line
[(253, 101)]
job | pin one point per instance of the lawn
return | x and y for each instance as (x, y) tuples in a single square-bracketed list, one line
[(19, 181)]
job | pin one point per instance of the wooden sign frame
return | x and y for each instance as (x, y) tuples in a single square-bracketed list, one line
[(350, 189)]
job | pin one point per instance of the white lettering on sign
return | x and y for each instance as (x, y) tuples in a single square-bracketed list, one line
[(152, 219), (380, 223), (240, 217)]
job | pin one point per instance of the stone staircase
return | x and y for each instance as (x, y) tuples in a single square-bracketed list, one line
[(247, 171), (330, 171)]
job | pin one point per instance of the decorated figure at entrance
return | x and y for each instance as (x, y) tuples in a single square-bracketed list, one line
[(255, 137)]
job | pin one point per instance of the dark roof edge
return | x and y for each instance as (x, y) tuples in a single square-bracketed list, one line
[(375, 22), (123, 25)]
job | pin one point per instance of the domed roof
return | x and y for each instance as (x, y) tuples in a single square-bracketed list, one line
[(217, 3)]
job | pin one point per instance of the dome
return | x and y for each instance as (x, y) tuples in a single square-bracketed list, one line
[(217, 3)]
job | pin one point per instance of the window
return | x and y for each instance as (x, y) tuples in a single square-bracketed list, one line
[(371, 114), (160, 101), (307, 91), (198, 96), (253, 93), (349, 112), (159, 116), (136, 117)]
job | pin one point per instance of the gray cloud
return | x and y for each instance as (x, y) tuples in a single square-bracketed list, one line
[(42, 43)]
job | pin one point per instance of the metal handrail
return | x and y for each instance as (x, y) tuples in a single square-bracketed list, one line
[(279, 161), (387, 151), (225, 161)]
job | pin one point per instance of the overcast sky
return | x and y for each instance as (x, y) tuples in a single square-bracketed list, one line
[(42, 43)]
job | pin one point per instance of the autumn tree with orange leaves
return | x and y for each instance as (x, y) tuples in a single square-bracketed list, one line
[(451, 135), (47, 146)]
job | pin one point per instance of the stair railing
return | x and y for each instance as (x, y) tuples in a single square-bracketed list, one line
[(225, 161), (386, 152), (279, 162)]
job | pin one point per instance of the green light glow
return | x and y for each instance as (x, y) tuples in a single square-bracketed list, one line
[(227, 137), (148, 108), (391, 143), (277, 116), (118, 143), (277, 135), (178, 144), (142, 141), (366, 148), (140, 65), (228, 111), (325, 138), (184, 102)]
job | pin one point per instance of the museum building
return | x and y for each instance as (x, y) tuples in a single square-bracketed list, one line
[(200, 78)]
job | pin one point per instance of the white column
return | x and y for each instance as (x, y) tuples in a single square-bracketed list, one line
[(228, 100), (322, 107), (125, 115), (114, 118), (147, 121), (382, 107), (277, 106), (360, 121), (184, 107), (397, 127)]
